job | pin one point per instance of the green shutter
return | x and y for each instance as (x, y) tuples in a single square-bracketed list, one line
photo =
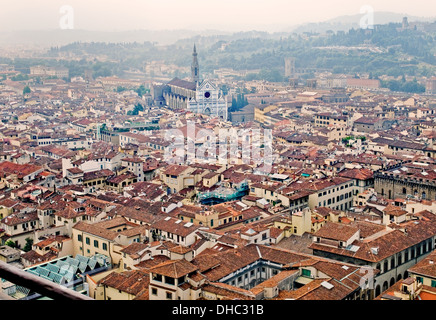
[(306, 272)]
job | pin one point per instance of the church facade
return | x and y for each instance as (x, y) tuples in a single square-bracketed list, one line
[(209, 100)]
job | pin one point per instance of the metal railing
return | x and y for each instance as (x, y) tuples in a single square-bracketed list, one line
[(38, 284)]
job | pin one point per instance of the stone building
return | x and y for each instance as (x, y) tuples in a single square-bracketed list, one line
[(372, 245), (177, 93), (405, 181)]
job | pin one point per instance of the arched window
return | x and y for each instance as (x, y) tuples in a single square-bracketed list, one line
[(423, 195), (404, 190), (377, 291), (378, 267)]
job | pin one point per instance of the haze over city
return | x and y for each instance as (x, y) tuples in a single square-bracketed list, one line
[(226, 15)]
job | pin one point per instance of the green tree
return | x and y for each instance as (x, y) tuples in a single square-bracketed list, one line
[(141, 90), (10, 243), (136, 110), (121, 89), (28, 245), (26, 90)]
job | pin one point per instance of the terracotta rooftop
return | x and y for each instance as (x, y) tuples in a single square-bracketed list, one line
[(336, 231), (174, 268)]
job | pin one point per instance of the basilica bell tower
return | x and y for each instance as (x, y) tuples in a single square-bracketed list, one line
[(194, 67)]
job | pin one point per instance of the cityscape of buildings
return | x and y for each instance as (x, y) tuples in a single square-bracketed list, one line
[(160, 189)]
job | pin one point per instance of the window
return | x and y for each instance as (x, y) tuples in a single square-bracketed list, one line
[(87, 240), (104, 246), (79, 237), (433, 283), (419, 279), (306, 273), (154, 291), (169, 280), (96, 243), (157, 277), (169, 295)]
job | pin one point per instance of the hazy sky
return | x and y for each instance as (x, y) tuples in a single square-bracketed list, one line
[(235, 15)]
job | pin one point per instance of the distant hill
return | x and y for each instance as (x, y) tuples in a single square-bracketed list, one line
[(63, 37), (345, 23), (56, 37)]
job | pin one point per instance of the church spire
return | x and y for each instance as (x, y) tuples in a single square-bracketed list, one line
[(194, 67)]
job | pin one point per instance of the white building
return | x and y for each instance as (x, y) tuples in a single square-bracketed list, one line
[(209, 100)]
